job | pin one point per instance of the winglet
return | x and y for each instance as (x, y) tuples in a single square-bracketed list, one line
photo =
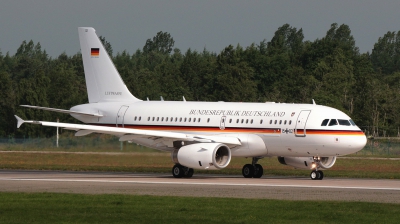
[(19, 120)]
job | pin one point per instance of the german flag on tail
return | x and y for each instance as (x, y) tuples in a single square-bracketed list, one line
[(94, 52)]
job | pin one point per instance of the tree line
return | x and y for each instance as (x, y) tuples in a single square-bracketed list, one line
[(330, 70)]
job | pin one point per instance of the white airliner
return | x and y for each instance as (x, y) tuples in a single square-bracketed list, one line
[(205, 135)]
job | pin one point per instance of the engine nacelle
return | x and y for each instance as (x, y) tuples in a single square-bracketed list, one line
[(212, 156), (308, 163)]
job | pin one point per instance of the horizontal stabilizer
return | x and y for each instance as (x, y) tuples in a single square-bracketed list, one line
[(62, 111)]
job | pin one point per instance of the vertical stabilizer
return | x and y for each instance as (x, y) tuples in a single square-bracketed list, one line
[(103, 82)]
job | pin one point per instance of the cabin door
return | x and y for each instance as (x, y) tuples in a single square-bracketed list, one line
[(300, 130), (121, 116), (222, 123)]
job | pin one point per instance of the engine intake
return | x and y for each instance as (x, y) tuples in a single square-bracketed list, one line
[(210, 156)]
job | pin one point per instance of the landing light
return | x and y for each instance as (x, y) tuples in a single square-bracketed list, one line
[(313, 166)]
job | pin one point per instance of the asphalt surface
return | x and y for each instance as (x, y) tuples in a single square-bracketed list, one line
[(202, 185)]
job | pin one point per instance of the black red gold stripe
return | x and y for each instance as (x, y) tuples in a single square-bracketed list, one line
[(330, 132), (94, 51), (237, 130)]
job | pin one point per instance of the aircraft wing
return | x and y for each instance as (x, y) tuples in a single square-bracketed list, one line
[(62, 111), (127, 134)]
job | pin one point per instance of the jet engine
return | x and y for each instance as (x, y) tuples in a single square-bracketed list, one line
[(212, 156), (309, 163)]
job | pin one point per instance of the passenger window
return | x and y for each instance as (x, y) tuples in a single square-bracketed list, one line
[(251, 122), (140, 118), (158, 118), (276, 121), (176, 119), (230, 120), (333, 122), (166, 119), (148, 119), (194, 119), (190, 119), (280, 122), (270, 122), (290, 122), (325, 122), (180, 119), (199, 120), (261, 121), (237, 120), (242, 121), (247, 121), (344, 122), (208, 120), (285, 122), (154, 118)]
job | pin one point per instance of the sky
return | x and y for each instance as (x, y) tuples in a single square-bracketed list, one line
[(194, 24)]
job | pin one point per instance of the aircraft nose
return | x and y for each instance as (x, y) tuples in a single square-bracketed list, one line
[(359, 142)]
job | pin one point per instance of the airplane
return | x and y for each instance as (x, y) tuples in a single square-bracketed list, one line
[(206, 135)]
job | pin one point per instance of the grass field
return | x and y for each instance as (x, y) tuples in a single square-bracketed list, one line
[(77, 208), (161, 163), (41, 154)]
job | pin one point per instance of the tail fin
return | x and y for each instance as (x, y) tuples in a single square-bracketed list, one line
[(103, 82)]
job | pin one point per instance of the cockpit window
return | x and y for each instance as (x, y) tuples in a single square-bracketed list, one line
[(325, 122), (333, 122), (344, 122)]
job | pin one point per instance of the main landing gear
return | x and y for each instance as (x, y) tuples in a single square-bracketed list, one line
[(316, 175), (182, 171), (253, 170)]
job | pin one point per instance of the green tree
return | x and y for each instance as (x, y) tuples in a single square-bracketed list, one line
[(162, 42), (7, 104), (233, 79), (107, 46), (385, 55)]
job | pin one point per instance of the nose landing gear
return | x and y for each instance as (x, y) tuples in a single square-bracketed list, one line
[(316, 175)]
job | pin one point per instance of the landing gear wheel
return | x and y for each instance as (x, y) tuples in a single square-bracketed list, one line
[(189, 173), (177, 171), (258, 171), (315, 175), (321, 175), (248, 171)]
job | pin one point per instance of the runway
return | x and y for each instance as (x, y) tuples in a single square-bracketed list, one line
[(202, 185)]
